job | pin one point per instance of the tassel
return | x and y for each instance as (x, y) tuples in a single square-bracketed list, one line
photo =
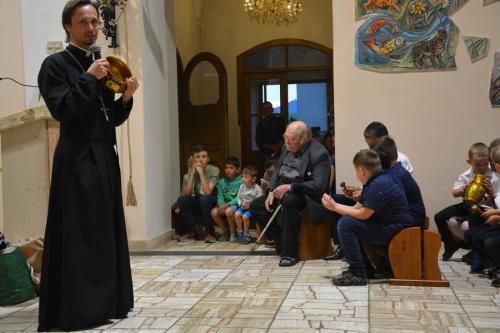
[(131, 200)]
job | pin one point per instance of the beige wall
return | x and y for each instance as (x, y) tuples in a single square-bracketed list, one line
[(153, 121), (227, 32), (26, 185), (188, 27), (11, 57), (434, 117), (135, 216)]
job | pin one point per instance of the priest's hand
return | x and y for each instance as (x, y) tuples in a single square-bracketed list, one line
[(130, 89), (99, 68)]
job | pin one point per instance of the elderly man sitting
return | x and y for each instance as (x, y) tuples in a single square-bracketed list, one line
[(300, 179)]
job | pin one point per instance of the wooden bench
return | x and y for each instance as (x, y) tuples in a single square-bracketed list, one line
[(413, 256), (314, 241)]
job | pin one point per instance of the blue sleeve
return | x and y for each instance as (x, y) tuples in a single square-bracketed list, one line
[(379, 194)]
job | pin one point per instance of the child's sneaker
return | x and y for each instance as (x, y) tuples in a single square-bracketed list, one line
[(245, 238), (187, 237), (449, 249), (349, 279), (269, 244), (209, 238), (234, 237), (476, 265), (226, 234)]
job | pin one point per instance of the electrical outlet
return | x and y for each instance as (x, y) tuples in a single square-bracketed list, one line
[(54, 47)]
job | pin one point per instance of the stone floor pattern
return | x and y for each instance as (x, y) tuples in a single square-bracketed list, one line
[(250, 294)]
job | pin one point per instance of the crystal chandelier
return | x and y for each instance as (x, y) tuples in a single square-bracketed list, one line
[(273, 11)]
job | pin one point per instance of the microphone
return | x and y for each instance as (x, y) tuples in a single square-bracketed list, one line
[(96, 51)]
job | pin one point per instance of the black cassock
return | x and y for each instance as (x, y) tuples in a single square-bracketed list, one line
[(86, 276)]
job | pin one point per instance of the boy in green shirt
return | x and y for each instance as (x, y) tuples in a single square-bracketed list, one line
[(227, 189)]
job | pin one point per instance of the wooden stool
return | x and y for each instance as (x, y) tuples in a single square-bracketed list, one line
[(413, 254), (314, 241)]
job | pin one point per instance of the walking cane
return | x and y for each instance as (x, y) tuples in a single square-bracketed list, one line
[(252, 250)]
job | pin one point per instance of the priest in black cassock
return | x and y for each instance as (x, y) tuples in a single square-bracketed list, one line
[(86, 278)]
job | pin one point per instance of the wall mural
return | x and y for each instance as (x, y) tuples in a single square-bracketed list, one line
[(495, 81), (477, 47), (488, 2), (406, 35), (398, 8)]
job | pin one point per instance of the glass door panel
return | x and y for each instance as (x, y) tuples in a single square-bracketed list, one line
[(309, 102), (265, 90)]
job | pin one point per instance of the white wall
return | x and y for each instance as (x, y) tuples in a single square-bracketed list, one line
[(161, 134), (11, 57), (434, 117), (40, 23)]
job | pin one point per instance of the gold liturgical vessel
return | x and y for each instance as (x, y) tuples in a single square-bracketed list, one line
[(474, 193), (118, 72)]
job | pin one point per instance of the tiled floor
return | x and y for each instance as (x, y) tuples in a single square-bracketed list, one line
[(247, 294)]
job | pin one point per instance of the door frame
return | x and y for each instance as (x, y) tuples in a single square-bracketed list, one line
[(186, 105), (244, 76)]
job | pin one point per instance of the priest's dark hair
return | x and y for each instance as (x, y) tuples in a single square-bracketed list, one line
[(70, 8)]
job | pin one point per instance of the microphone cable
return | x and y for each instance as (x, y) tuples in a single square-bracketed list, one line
[(21, 84)]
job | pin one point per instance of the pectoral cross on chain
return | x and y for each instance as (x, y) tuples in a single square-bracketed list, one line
[(105, 110)]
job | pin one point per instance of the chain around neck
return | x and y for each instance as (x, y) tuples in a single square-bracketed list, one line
[(104, 109)]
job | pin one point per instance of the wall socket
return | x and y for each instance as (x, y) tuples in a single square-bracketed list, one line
[(54, 47)]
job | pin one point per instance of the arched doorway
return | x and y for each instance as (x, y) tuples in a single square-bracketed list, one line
[(295, 75), (203, 110)]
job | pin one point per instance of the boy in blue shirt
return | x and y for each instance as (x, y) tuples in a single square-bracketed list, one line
[(381, 212), (388, 154), (227, 189)]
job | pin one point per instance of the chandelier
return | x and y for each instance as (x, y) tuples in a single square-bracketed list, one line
[(273, 11)]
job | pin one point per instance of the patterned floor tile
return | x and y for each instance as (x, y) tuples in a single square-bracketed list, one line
[(252, 294)]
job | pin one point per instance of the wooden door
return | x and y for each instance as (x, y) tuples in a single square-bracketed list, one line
[(201, 122)]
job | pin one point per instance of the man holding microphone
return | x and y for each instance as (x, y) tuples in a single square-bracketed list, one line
[(86, 278)]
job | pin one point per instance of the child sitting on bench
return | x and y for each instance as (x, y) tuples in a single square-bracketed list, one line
[(381, 212)]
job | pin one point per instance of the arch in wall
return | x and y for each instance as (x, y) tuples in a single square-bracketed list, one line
[(203, 108)]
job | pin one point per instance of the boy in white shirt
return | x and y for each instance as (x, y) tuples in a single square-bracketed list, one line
[(247, 193), (480, 163)]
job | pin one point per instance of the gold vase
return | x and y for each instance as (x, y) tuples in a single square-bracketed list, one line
[(474, 193)]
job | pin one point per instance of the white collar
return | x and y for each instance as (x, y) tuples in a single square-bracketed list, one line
[(88, 53)]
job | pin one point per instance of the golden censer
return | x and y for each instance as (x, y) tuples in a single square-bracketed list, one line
[(474, 193), (118, 72)]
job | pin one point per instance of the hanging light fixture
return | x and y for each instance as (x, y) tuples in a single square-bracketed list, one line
[(273, 11)]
